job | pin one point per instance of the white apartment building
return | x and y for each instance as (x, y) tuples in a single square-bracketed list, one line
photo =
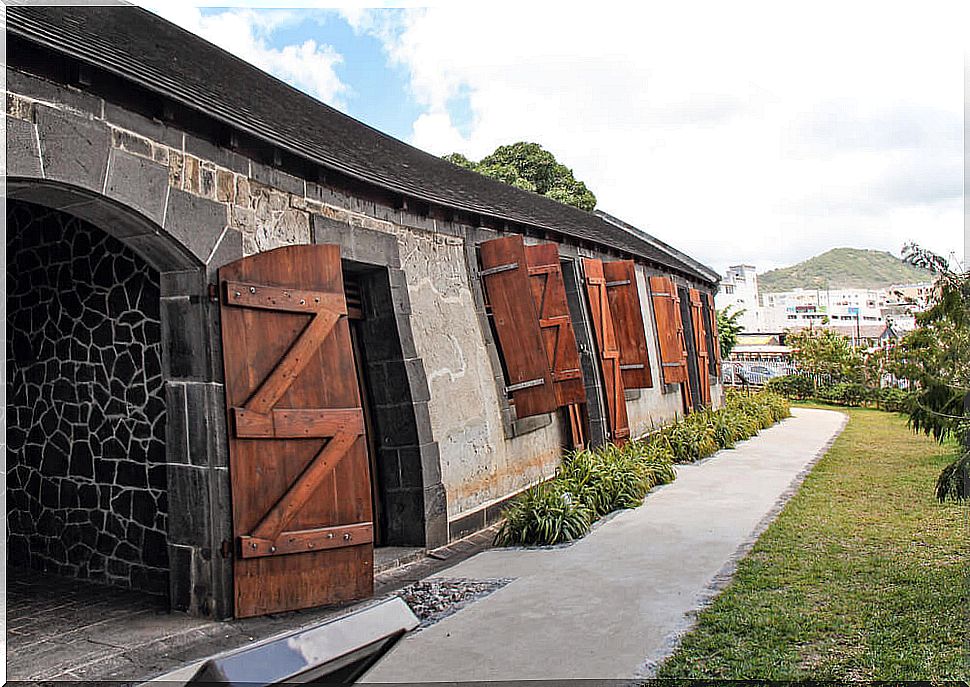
[(739, 291), (801, 308)]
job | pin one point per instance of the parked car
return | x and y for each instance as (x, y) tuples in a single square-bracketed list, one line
[(756, 374)]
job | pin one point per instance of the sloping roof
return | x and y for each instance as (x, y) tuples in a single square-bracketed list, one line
[(157, 55)]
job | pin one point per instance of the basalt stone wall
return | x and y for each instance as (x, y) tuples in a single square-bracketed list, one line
[(86, 486)]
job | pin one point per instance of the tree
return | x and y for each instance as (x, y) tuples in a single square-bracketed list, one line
[(728, 329), (823, 353), (935, 358), (530, 167)]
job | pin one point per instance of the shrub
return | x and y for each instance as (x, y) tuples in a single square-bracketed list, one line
[(593, 482), (892, 399), (544, 514), (792, 386)]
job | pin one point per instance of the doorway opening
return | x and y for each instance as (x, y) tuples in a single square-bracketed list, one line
[(87, 493), (397, 485)]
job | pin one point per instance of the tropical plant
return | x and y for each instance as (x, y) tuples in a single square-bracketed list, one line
[(547, 513), (728, 329), (935, 358)]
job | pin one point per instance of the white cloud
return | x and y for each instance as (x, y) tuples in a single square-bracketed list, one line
[(757, 132), (246, 33)]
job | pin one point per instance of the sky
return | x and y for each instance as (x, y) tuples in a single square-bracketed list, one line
[(762, 133)]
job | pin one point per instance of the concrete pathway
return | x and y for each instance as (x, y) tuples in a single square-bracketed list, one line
[(613, 604)]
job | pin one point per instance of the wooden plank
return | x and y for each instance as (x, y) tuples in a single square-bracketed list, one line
[(295, 423), (607, 348), (266, 297), (666, 312), (621, 287), (549, 296), (292, 364), (302, 489), (302, 541), (262, 470), (506, 280)]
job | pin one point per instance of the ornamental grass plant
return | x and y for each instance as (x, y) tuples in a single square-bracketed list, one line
[(591, 483)]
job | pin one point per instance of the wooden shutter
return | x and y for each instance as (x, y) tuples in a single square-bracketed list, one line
[(606, 344), (715, 338), (700, 342), (549, 295), (670, 330), (621, 289), (505, 274), (301, 493)]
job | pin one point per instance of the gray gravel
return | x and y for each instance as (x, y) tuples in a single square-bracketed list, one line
[(437, 598)]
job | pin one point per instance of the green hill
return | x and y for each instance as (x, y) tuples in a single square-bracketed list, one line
[(850, 268)]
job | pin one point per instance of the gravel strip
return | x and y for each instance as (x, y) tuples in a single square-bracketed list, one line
[(437, 598)]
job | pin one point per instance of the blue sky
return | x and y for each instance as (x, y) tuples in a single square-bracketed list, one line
[(721, 128)]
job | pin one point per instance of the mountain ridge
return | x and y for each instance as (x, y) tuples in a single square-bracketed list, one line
[(848, 268)]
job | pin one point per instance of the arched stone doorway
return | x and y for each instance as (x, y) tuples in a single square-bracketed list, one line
[(117, 458), (86, 404)]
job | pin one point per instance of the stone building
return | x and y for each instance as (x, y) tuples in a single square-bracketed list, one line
[(251, 338)]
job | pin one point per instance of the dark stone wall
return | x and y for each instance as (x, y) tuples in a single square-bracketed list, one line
[(86, 485)]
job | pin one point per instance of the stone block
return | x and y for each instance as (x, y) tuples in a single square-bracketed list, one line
[(464, 525), (195, 222), (74, 150), (162, 253), (376, 248), (41, 89), (182, 283), (23, 153), (405, 517), (287, 228), (189, 506), (138, 183), (406, 337), (176, 429), (422, 422), (150, 128), (435, 516), (184, 338), (430, 463), (270, 176), (397, 426), (327, 230), (417, 380)]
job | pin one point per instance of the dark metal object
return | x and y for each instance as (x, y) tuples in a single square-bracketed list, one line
[(336, 652)]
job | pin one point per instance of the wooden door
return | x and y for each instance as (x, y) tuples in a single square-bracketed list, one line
[(301, 500), (505, 275), (607, 347), (621, 287), (549, 296), (670, 330), (700, 343)]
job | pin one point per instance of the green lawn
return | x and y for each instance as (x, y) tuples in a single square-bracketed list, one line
[(863, 576)]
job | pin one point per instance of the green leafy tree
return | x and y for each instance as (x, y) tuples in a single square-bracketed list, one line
[(826, 354), (530, 167), (728, 329), (935, 358)]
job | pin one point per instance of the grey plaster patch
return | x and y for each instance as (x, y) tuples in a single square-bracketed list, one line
[(725, 575)]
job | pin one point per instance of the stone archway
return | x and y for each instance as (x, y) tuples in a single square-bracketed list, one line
[(172, 536)]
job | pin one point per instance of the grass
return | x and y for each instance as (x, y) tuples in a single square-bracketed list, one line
[(863, 576)]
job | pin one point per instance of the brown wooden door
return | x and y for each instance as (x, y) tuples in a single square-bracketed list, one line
[(621, 287), (607, 347), (670, 330), (549, 295), (301, 494), (505, 274)]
